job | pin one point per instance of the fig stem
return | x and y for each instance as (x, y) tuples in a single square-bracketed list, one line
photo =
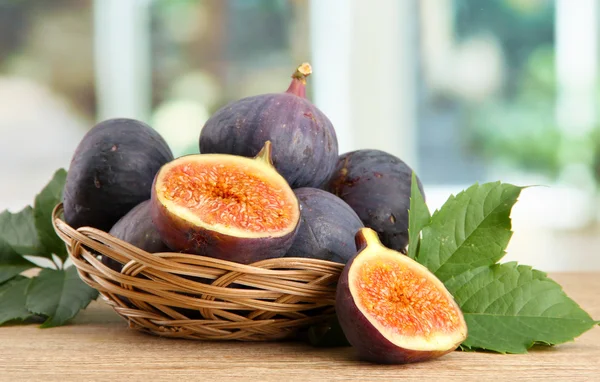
[(365, 237), (298, 85), (302, 71), (266, 153)]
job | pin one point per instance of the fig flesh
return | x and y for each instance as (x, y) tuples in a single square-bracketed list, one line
[(112, 171), (394, 310), (327, 227), (305, 146), (376, 185), (225, 206)]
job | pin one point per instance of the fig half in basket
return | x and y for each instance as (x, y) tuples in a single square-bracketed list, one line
[(225, 206)]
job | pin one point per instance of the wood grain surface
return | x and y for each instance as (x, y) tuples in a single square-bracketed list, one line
[(100, 346)]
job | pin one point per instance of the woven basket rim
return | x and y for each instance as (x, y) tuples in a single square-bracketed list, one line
[(275, 295)]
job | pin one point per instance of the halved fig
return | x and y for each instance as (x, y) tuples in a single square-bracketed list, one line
[(225, 206), (394, 310)]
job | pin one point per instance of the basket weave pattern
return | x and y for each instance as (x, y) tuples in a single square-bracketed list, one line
[(197, 297)]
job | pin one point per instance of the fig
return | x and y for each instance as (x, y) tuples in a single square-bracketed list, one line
[(377, 186), (327, 227), (137, 229), (394, 310), (305, 146), (225, 206), (112, 171)]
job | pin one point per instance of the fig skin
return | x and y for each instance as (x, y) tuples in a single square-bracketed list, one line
[(136, 228), (377, 186), (304, 140), (112, 171), (327, 227), (184, 236), (371, 345)]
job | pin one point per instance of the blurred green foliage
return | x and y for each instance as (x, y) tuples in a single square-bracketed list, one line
[(521, 130), (518, 127)]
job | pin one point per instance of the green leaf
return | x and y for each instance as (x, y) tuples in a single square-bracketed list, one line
[(12, 300), (18, 230), (58, 294), (418, 217), (509, 308), (11, 263), (45, 202), (470, 230)]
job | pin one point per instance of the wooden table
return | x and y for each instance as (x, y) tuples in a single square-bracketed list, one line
[(100, 346)]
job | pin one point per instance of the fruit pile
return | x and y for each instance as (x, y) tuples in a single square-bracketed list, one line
[(269, 182)]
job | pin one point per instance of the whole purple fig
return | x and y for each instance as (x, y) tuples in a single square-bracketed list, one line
[(305, 147), (377, 186)]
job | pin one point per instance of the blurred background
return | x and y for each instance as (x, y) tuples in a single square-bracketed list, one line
[(462, 90)]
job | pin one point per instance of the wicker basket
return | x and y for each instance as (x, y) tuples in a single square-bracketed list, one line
[(196, 297)]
